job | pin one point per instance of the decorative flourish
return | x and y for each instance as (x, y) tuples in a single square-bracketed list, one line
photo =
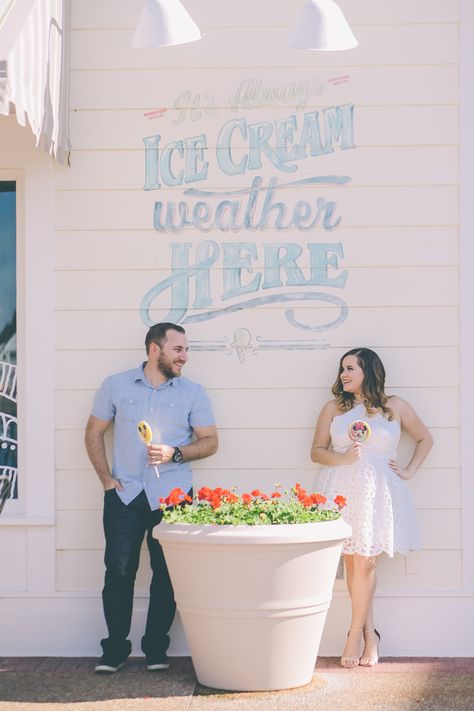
[(273, 299), (339, 80), (157, 113), (264, 344), (305, 182), (242, 345)]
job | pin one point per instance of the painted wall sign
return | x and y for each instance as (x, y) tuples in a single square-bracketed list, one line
[(262, 155)]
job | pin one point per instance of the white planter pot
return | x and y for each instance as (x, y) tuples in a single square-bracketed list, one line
[(253, 599)]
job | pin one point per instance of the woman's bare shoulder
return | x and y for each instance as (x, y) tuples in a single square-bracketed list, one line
[(330, 408), (397, 404)]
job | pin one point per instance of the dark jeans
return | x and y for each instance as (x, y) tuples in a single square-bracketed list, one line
[(124, 528)]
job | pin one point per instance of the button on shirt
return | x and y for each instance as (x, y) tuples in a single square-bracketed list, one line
[(172, 410)]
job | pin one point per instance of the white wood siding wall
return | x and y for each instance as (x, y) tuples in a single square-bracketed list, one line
[(399, 232)]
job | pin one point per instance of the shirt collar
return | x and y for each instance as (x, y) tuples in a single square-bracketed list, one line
[(139, 374)]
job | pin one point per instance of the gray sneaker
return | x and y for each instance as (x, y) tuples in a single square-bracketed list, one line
[(158, 663), (107, 665)]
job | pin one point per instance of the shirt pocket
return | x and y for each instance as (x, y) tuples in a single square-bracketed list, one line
[(173, 419), (129, 410)]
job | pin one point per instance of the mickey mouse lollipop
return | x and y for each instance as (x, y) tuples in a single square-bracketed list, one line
[(146, 435), (359, 431)]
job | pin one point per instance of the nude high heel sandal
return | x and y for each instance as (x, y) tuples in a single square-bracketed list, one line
[(351, 662), (371, 661)]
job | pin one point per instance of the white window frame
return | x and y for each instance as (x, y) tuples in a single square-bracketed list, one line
[(32, 172), (466, 257)]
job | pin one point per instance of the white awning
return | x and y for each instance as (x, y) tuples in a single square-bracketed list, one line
[(34, 69)]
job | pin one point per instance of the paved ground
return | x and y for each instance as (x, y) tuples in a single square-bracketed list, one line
[(59, 684)]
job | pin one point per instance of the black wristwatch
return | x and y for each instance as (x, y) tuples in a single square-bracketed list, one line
[(177, 456)]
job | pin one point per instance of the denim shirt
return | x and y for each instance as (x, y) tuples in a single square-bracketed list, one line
[(172, 410)]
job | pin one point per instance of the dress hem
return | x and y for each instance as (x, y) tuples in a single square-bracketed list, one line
[(388, 551)]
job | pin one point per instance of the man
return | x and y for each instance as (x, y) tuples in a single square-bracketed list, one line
[(183, 429)]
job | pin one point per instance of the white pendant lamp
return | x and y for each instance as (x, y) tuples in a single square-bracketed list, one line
[(164, 23), (321, 26)]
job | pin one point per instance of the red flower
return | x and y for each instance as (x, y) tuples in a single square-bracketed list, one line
[(318, 499), (302, 495), (215, 502), (299, 491), (276, 495), (205, 494), (303, 498), (246, 498), (256, 492), (340, 501), (176, 496)]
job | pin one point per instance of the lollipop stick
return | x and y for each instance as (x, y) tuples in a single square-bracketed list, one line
[(156, 471)]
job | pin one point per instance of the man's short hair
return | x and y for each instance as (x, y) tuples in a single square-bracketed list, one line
[(157, 333)]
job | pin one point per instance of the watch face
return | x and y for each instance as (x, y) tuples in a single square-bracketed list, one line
[(178, 455)]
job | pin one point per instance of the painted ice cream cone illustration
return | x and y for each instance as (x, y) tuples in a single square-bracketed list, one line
[(146, 435), (242, 343)]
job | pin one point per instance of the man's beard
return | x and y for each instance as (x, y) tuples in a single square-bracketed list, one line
[(166, 369)]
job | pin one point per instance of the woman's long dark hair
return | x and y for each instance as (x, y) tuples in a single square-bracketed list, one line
[(373, 385)]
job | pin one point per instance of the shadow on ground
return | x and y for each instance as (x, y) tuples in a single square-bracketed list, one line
[(53, 684), (81, 685)]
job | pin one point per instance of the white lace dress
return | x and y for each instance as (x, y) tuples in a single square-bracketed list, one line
[(379, 506)]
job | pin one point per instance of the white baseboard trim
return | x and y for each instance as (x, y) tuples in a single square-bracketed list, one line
[(72, 625)]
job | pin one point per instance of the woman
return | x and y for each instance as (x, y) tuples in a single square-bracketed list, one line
[(366, 472)]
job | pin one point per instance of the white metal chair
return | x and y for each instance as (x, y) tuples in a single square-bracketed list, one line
[(8, 434), (6, 483), (8, 381)]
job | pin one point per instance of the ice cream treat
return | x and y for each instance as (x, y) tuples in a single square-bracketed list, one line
[(359, 431), (145, 432), (146, 435)]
